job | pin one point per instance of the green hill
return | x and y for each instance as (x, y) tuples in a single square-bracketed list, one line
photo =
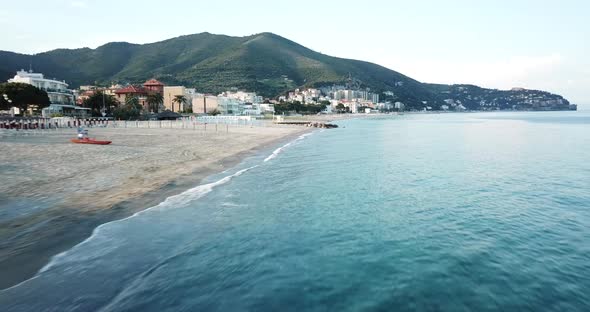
[(265, 63)]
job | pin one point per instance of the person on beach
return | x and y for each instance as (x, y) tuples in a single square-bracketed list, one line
[(82, 134)]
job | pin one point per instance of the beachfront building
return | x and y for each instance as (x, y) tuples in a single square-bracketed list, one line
[(171, 92), (358, 106), (245, 97), (353, 105), (374, 98), (154, 86), (204, 103), (57, 91), (384, 106), (84, 92), (251, 109), (141, 93), (334, 104), (345, 95), (399, 106), (229, 105), (355, 95), (307, 96), (267, 108), (62, 100)]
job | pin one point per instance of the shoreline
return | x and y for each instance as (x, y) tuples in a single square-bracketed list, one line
[(34, 240)]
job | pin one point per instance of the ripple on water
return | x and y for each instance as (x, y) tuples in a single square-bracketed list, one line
[(429, 212)]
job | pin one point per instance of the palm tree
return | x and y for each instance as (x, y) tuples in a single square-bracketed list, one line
[(132, 102), (97, 101), (154, 101), (180, 100)]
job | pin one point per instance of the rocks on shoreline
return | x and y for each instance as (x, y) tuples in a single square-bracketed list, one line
[(309, 124)]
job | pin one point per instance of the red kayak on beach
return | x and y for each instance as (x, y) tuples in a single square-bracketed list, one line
[(90, 141)]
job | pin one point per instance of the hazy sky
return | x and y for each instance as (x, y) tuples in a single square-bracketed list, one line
[(535, 44)]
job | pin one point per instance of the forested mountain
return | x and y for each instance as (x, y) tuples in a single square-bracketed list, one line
[(265, 63)]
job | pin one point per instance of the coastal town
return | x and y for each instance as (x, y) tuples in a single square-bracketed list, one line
[(133, 141), (154, 97), (184, 100), (294, 156)]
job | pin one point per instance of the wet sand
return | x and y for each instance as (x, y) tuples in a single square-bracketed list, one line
[(54, 193)]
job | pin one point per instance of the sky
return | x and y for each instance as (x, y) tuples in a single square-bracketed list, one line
[(536, 44)]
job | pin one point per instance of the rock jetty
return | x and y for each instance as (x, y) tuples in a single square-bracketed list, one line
[(310, 124)]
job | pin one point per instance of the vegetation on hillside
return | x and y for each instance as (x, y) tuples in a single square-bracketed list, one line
[(265, 63), (476, 98)]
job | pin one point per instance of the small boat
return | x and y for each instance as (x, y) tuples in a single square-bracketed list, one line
[(90, 141)]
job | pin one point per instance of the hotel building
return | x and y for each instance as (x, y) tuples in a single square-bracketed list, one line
[(61, 98)]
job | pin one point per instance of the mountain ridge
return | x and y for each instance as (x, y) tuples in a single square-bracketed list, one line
[(265, 63)]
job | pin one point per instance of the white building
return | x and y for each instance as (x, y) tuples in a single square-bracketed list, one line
[(267, 108), (61, 98), (57, 91), (384, 106), (229, 105), (374, 98), (334, 103), (352, 95), (251, 109), (246, 97)]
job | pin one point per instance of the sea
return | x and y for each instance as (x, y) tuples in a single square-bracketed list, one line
[(414, 212)]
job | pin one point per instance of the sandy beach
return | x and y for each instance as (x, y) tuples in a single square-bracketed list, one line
[(54, 193)]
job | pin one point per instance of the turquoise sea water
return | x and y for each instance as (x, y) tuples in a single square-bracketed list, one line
[(449, 212)]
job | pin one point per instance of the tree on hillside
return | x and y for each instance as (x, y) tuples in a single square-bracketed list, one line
[(22, 96), (154, 102), (97, 101), (180, 100)]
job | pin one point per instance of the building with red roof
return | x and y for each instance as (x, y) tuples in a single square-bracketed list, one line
[(132, 91), (141, 92), (154, 85)]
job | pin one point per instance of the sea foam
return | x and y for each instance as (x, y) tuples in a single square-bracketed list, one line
[(276, 152), (172, 201)]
